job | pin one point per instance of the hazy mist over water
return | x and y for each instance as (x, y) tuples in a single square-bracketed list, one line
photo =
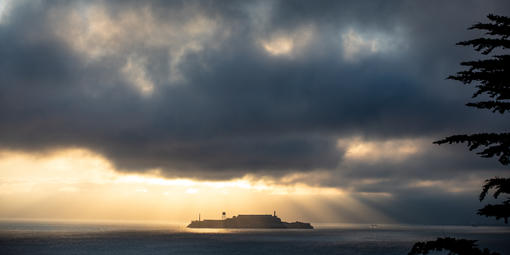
[(29, 237)]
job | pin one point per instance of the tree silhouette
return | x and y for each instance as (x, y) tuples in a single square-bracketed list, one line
[(492, 81), (454, 246), (501, 185), (492, 78)]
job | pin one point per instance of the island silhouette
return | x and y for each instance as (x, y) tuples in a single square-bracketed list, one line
[(249, 221)]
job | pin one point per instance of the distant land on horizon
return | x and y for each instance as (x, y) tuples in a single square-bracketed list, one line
[(249, 221)]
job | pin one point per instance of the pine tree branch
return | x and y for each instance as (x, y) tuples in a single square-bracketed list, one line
[(501, 20), (496, 63), (501, 185), (495, 106), (495, 145), (493, 29), (493, 76), (452, 245), (499, 78), (499, 211), (486, 45)]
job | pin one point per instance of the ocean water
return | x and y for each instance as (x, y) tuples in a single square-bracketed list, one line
[(24, 237)]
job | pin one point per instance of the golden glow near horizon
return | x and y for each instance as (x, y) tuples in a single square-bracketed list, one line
[(79, 184)]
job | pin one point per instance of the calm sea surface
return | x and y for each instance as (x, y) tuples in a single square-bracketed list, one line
[(99, 238)]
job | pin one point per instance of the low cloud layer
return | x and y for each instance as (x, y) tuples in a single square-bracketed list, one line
[(355, 92)]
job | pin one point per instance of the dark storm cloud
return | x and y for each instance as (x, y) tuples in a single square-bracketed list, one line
[(237, 109)]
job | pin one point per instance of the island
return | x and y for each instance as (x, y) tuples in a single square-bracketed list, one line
[(249, 221)]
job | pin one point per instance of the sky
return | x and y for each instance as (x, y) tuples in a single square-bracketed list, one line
[(324, 111)]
